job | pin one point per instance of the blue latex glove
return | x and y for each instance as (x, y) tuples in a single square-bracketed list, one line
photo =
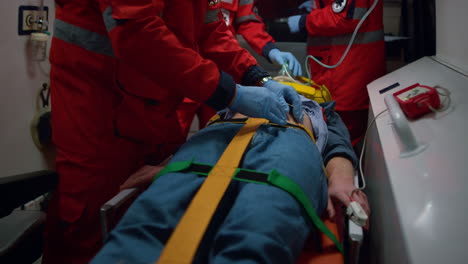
[(293, 23), (257, 101), (281, 58), (287, 96), (307, 5)]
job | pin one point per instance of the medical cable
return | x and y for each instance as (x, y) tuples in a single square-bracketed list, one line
[(285, 72), (445, 104), (347, 48), (362, 151), (284, 67)]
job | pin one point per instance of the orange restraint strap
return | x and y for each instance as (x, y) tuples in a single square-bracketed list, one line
[(184, 241)]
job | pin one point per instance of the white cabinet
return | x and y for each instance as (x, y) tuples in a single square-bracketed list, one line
[(419, 203)]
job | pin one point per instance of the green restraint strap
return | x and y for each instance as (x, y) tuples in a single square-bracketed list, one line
[(273, 178)]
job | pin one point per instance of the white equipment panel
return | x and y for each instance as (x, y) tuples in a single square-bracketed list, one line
[(419, 203)]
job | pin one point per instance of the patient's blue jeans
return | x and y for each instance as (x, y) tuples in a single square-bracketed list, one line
[(254, 223)]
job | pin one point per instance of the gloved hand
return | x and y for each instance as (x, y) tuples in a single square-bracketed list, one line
[(257, 101), (287, 96), (280, 58), (293, 23), (308, 5)]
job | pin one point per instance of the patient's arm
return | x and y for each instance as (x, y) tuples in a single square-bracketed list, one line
[(341, 183), (340, 171)]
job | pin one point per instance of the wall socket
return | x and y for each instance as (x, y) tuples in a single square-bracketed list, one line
[(28, 17)]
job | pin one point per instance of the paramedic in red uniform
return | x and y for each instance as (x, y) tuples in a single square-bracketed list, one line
[(329, 26), (241, 18), (120, 68)]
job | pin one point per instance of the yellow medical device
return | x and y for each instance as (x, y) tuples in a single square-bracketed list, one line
[(307, 88)]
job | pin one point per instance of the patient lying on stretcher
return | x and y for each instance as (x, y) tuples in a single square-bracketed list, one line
[(254, 223)]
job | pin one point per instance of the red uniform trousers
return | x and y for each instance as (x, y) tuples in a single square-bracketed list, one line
[(85, 185)]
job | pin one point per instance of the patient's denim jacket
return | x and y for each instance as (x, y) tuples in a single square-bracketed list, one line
[(331, 134), (338, 142)]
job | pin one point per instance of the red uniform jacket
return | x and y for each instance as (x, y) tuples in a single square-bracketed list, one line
[(241, 18), (121, 67), (330, 30), (119, 70)]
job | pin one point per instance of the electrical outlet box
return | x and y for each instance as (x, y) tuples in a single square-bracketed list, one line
[(28, 19)]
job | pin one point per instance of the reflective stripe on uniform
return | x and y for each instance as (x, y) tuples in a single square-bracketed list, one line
[(245, 2), (211, 16), (359, 12), (246, 18), (83, 38), (109, 21), (361, 38)]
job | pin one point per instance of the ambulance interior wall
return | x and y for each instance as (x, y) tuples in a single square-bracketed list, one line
[(452, 38), (21, 80)]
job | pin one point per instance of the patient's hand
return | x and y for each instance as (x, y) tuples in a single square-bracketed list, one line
[(341, 185), (339, 192), (144, 176)]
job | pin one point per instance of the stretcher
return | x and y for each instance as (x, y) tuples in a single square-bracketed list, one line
[(318, 250), (22, 229), (322, 249), (194, 222)]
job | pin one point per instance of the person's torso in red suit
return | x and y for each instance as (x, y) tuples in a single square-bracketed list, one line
[(242, 19), (119, 69), (329, 33)]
